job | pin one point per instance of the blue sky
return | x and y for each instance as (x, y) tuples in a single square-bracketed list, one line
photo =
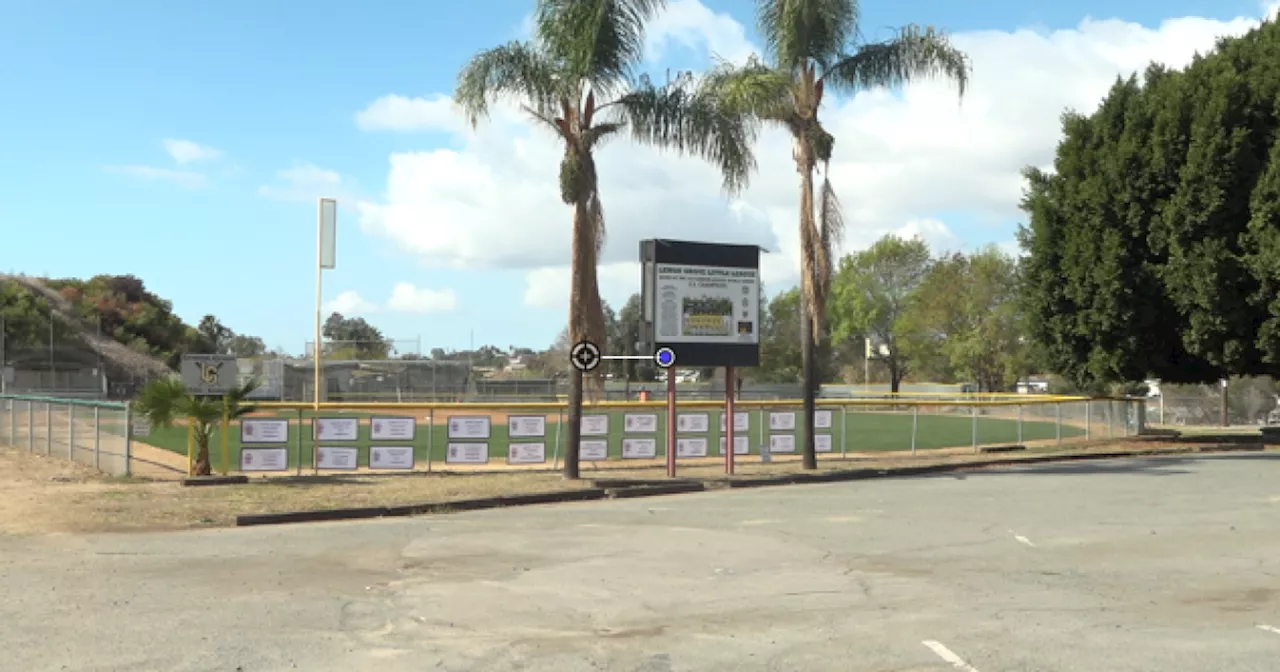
[(92, 90)]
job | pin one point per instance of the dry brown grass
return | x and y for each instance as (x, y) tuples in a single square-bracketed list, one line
[(41, 495), (49, 495)]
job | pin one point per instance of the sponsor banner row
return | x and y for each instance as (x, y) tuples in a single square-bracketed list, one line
[(347, 458), (270, 431)]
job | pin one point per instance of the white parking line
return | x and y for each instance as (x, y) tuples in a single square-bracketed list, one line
[(946, 654), (1269, 628), (1022, 539)]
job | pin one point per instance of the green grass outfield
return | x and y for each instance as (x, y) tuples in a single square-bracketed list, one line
[(856, 431)]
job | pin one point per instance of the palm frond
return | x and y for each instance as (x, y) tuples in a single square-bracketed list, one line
[(514, 70), (596, 135), (916, 53), (691, 117), (830, 236), (596, 41), (236, 402), (799, 32), (162, 401), (754, 89)]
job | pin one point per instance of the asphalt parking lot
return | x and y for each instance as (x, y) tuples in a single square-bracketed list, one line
[(1139, 564)]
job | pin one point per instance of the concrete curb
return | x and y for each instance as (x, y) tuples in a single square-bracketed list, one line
[(582, 495), (657, 489), (627, 489), (195, 481)]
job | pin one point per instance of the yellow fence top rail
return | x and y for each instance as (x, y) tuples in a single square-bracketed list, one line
[(881, 401)]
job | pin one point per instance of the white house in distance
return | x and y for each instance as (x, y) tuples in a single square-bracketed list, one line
[(1033, 385)]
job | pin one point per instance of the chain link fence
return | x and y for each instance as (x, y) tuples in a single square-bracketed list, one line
[(92, 433)]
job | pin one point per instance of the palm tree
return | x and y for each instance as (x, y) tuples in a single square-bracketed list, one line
[(810, 47), (577, 78), (165, 400)]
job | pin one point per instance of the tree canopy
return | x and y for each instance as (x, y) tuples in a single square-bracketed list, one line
[(1152, 244)]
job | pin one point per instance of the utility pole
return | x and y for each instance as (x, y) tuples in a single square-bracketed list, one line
[(4, 361)]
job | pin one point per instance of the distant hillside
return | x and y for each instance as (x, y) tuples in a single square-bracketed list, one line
[(140, 335)]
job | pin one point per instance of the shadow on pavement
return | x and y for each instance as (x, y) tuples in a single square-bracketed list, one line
[(1148, 466)]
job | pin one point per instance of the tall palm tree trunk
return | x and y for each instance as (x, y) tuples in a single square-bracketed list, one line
[(808, 238), (584, 309), (204, 466)]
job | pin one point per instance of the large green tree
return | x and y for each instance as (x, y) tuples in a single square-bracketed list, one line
[(872, 294), (1151, 246), (811, 46), (966, 314), (578, 79)]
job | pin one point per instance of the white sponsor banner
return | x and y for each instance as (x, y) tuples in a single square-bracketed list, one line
[(691, 447), (263, 430), (468, 427), (391, 457), (264, 459), (741, 445), (822, 443), (782, 443), (822, 418), (593, 450), (706, 304), (526, 426), (595, 425), (330, 458), (782, 420), (639, 449), (336, 429), (693, 423), (640, 423), (392, 429), (467, 453), (741, 421), (527, 453)]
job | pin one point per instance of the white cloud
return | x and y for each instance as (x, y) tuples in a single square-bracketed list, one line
[(548, 287), (304, 182), (692, 25), (349, 303), (182, 178), (398, 113), (905, 162), (409, 299), (186, 151)]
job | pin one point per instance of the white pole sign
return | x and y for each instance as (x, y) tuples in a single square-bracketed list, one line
[(264, 459), (392, 429), (336, 429), (264, 430), (693, 423), (594, 450), (467, 453), (640, 423), (329, 458), (782, 443), (639, 449), (707, 304), (595, 425), (692, 447), (468, 427), (741, 422), (527, 453), (527, 426), (391, 457), (741, 445), (783, 421)]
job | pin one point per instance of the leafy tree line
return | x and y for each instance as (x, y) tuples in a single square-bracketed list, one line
[(1154, 244)]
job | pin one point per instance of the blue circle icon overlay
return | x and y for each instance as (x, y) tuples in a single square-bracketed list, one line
[(665, 357)]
